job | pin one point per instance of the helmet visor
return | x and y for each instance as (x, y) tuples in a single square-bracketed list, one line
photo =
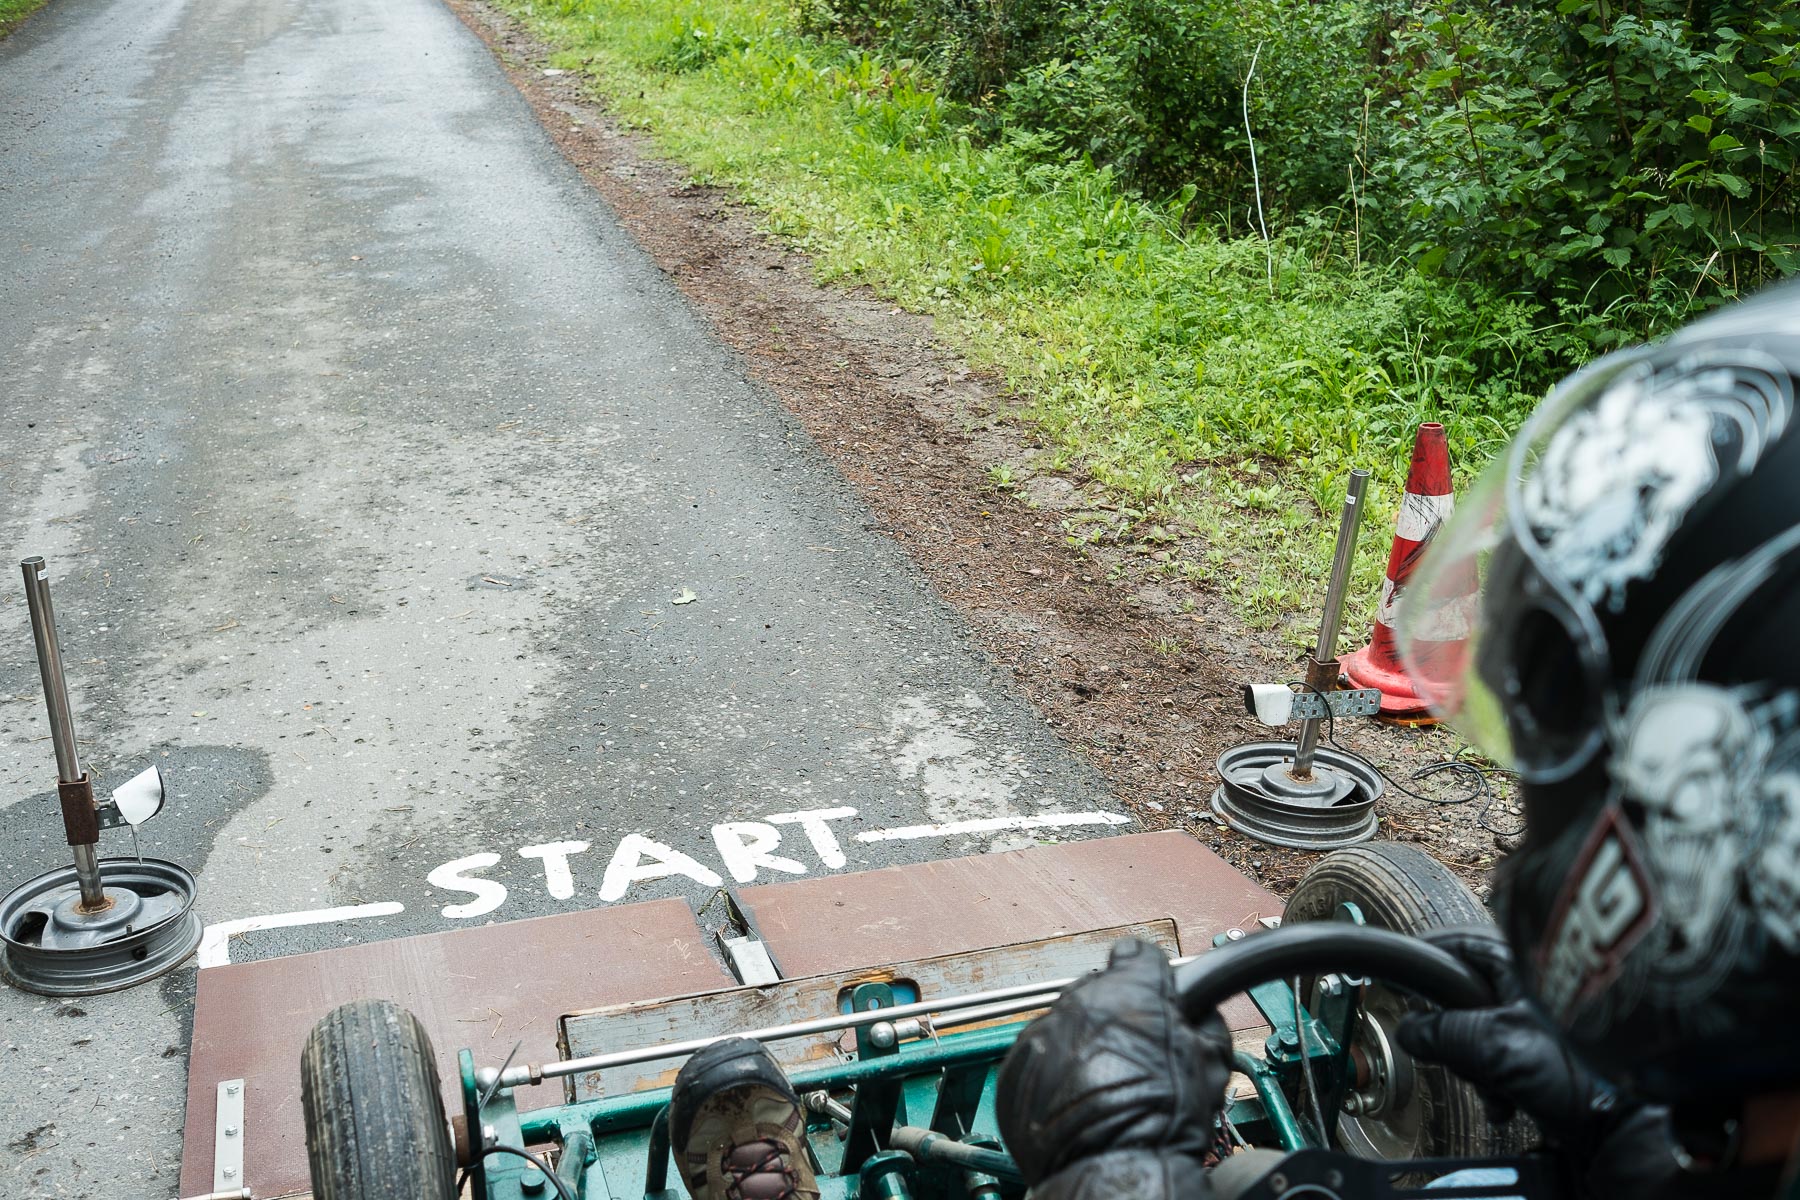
[(1502, 644)]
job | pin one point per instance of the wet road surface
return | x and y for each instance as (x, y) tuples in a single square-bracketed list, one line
[(401, 510)]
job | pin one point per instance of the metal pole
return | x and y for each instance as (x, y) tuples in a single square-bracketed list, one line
[(1324, 659), (62, 724), (49, 652)]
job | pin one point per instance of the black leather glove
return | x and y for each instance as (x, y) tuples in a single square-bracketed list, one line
[(1519, 1062), (1111, 1093)]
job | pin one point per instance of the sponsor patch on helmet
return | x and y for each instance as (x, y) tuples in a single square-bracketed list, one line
[(1604, 910)]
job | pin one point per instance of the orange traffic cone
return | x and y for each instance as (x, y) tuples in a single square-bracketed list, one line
[(1427, 504)]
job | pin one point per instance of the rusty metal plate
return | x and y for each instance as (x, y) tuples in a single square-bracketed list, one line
[(483, 987)]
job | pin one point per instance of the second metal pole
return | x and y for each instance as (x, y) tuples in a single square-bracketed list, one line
[(1324, 657)]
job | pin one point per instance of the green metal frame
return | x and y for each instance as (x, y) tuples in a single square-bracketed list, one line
[(616, 1133), (1269, 1118), (617, 1147)]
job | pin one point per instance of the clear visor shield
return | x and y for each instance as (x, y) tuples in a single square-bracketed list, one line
[(1486, 597)]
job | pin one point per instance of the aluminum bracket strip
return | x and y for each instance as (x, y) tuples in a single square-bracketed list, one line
[(228, 1137), (750, 961), (1311, 706)]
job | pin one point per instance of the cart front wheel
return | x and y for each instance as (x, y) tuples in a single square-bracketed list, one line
[(1404, 1109), (375, 1126)]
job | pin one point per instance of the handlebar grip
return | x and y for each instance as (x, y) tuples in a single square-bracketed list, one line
[(1427, 971)]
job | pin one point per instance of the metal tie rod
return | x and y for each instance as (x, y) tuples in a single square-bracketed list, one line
[(979, 1006)]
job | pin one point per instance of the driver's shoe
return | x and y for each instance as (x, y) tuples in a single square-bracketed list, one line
[(737, 1128)]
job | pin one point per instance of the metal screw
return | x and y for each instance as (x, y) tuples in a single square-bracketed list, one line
[(231, 1089), (229, 1172), (231, 1131), (1234, 935)]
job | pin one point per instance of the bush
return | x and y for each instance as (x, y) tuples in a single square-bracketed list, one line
[(1622, 162), (1150, 88), (1628, 162)]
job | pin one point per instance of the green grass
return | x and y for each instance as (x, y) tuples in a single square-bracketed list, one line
[(12, 12), (1154, 355)]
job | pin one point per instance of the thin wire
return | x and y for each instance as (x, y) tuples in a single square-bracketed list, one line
[(1255, 174), (1312, 1091), (1477, 779), (1231, 1130), (562, 1189)]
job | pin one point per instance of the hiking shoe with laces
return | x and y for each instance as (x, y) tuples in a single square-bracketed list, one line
[(736, 1127)]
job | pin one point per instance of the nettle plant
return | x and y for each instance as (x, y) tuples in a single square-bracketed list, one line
[(1629, 162)]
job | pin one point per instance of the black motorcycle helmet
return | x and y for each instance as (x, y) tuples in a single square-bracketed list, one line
[(1634, 655)]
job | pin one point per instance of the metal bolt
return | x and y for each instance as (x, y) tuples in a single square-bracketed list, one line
[(1278, 1183), (1234, 935), (231, 1131), (1332, 985), (229, 1172), (231, 1089), (883, 1035)]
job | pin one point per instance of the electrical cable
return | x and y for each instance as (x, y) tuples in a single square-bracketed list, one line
[(1478, 779), (562, 1189), (1312, 1091)]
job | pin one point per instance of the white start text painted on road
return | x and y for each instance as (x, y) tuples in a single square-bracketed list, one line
[(746, 851)]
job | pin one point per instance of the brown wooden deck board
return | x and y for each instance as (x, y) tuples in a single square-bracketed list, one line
[(835, 922), (250, 1019)]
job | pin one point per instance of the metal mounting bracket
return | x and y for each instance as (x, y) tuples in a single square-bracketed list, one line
[(1277, 704), (740, 941), (228, 1137)]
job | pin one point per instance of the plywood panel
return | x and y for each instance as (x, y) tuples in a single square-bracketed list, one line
[(830, 923), (483, 987)]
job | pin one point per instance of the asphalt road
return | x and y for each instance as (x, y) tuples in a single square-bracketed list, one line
[(376, 467)]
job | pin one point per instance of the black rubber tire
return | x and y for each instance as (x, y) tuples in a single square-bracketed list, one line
[(1402, 888), (375, 1125), (1397, 886)]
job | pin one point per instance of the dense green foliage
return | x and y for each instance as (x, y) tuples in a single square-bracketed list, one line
[(1623, 163), (1626, 161), (1151, 88), (1067, 188)]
